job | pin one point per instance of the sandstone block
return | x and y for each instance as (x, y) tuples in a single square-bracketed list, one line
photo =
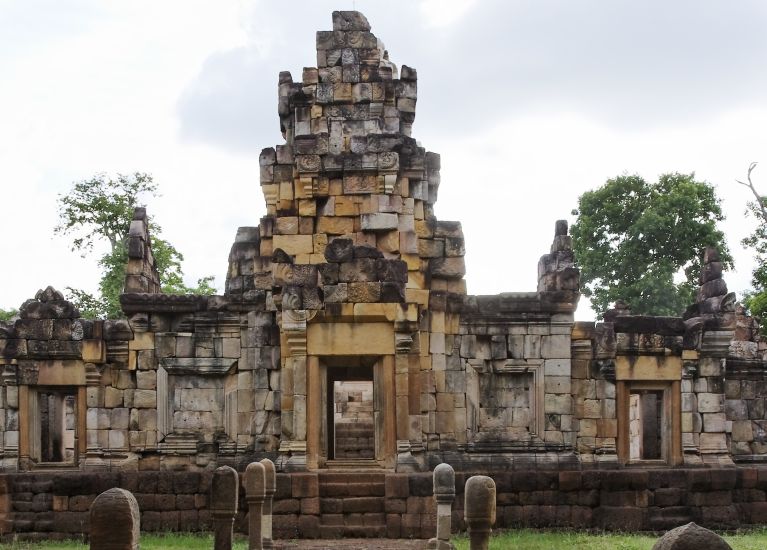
[(145, 399), (364, 292), (714, 422), (294, 244), (335, 225), (710, 402), (447, 268), (380, 221)]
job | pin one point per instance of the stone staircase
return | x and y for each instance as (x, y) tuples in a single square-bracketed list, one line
[(352, 504), (355, 440)]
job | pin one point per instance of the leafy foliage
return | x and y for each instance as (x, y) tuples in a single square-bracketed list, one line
[(101, 209), (756, 300), (642, 242), (8, 314)]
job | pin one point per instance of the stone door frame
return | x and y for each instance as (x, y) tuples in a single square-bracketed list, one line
[(383, 408), (654, 374), (60, 376)]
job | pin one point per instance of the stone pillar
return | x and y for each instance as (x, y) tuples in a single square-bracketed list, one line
[(712, 444), (94, 397), (115, 521), (293, 444), (270, 487), (408, 395), (254, 493), (224, 490), (444, 494), (479, 510)]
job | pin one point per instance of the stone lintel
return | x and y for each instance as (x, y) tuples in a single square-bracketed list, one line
[(200, 366), (135, 302)]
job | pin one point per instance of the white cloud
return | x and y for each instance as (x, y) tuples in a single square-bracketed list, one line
[(441, 13)]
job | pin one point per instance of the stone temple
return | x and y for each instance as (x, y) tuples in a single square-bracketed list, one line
[(346, 349)]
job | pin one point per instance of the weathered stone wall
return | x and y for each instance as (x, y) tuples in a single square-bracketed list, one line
[(745, 389), (311, 505)]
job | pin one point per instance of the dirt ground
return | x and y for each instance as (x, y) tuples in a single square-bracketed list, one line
[(352, 544)]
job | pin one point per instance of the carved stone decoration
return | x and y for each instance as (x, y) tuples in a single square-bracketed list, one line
[(271, 194), (292, 456), (386, 183), (403, 342), (308, 163), (606, 368), (92, 375), (689, 369), (293, 323), (388, 161), (716, 343), (139, 322)]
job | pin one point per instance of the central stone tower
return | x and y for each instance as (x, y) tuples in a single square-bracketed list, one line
[(350, 254)]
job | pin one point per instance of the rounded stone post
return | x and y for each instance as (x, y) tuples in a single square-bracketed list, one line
[(254, 494), (270, 488), (479, 510), (444, 494), (115, 521), (224, 490)]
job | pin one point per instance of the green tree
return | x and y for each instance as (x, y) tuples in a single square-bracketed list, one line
[(756, 299), (100, 209), (643, 242), (8, 314)]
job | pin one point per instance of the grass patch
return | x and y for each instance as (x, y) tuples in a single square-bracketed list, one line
[(530, 539)]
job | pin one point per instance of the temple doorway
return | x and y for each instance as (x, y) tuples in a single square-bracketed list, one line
[(54, 427), (351, 413), (646, 425)]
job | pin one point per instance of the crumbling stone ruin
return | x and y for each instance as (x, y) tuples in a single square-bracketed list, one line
[(349, 288)]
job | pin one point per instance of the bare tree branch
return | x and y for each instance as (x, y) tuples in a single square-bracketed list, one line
[(759, 200)]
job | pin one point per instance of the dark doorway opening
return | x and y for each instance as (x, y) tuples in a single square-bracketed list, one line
[(350, 414), (646, 425), (57, 411)]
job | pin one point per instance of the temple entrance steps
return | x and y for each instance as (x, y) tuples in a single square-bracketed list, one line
[(352, 504), (355, 440)]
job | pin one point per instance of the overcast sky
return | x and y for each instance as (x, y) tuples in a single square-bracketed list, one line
[(530, 103)]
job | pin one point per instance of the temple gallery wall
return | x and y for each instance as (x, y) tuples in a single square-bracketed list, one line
[(345, 341)]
